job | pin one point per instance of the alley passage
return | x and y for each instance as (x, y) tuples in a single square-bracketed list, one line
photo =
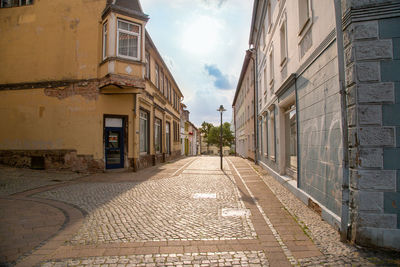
[(183, 213)]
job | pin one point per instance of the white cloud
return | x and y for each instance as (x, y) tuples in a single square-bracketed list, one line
[(201, 35)]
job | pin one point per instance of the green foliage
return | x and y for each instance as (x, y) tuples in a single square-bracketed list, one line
[(213, 137), (205, 129)]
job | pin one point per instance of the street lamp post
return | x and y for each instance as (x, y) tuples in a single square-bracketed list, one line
[(221, 109)]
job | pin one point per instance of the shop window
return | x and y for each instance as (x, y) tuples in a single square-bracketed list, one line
[(291, 138), (128, 40), (144, 131), (271, 138), (157, 135), (168, 137)]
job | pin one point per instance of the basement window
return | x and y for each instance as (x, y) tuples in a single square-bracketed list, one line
[(15, 3)]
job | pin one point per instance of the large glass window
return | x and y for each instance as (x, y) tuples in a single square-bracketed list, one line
[(157, 135), (144, 131), (271, 137), (291, 137), (168, 137), (128, 40)]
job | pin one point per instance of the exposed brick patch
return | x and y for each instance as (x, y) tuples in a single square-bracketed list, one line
[(53, 159), (87, 89)]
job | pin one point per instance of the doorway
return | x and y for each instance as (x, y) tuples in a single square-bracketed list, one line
[(114, 143)]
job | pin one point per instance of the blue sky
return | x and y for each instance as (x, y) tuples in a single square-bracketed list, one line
[(203, 42)]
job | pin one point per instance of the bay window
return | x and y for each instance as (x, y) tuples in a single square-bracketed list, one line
[(128, 40)]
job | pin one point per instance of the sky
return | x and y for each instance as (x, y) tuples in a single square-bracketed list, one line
[(203, 42)]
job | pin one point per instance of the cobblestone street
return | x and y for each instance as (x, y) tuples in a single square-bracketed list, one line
[(182, 213)]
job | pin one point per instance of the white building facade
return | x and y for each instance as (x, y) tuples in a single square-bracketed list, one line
[(321, 102)]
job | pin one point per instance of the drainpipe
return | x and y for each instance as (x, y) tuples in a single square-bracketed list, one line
[(345, 182), (255, 96)]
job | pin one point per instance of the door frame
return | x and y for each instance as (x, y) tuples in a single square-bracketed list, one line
[(121, 148), (125, 145)]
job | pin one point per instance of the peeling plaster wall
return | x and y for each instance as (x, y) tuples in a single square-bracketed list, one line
[(33, 121)]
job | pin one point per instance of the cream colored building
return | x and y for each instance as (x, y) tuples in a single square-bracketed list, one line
[(243, 110), (83, 87), (326, 79)]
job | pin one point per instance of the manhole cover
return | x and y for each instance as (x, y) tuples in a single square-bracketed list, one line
[(205, 195), (229, 212)]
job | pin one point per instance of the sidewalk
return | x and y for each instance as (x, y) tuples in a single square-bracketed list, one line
[(184, 213)]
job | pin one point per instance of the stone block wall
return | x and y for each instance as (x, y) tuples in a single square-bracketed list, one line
[(372, 58)]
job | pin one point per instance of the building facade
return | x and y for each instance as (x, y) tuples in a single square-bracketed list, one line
[(325, 89), (95, 93), (243, 110)]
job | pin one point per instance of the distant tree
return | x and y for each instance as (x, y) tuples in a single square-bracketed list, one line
[(205, 129), (227, 135)]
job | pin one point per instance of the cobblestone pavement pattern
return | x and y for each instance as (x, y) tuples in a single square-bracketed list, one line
[(241, 258), (158, 210), (186, 213), (14, 180)]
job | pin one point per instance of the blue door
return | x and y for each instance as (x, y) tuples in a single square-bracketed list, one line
[(114, 147)]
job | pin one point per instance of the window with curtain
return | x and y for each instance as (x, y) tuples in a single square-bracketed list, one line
[(128, 40)]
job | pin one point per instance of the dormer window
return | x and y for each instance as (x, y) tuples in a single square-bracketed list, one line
[(128, 40)]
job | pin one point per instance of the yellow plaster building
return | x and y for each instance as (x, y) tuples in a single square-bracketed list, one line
[(83, 87)]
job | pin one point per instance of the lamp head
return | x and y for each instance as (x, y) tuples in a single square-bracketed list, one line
[(221, 109)]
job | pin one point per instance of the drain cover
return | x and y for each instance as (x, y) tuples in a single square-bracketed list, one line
[(205, 195), (230, 212)]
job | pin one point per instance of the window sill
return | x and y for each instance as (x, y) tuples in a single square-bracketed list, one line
[(125, 60), (283, 62), (303, 30)]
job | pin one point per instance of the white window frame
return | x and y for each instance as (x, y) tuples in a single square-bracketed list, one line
[(129, 33), (284, 42), (306, 23), (271, 68), (105, 39)]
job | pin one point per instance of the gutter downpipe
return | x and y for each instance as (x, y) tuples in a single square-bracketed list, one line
[(255, 96), (344, 227)]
